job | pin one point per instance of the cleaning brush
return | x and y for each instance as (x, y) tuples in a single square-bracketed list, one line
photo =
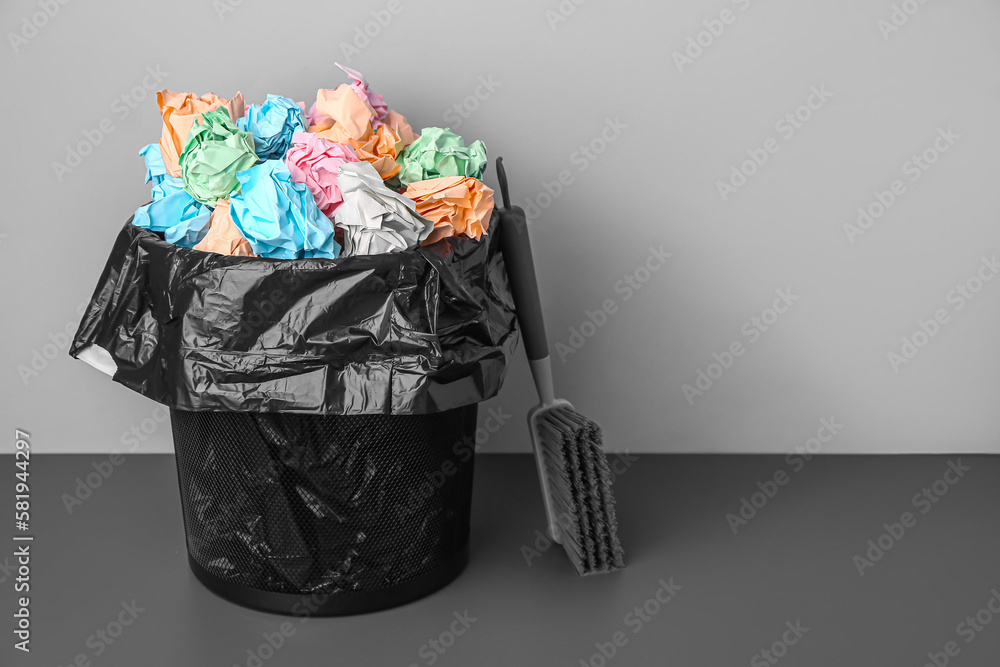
[(569, 453)]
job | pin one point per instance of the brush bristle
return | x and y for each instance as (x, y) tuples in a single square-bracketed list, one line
[(580, 485)]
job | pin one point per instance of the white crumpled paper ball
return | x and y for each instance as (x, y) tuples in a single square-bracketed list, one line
[(374, 218)]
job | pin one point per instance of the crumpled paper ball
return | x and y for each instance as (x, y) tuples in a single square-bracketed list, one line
[(335, 131), (166, 187), (338, 104), (456, 205), (440, 152), (279, 217), (272, 125), (215, 151), (223, 235), (381, 147), (316, 162), (312, 116), (374, 100), (156, 171), (182, 220), (398, 122), (343, 106), (179, 112), (375, 219)]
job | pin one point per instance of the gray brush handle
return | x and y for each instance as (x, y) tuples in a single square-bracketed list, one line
[(516, 247)]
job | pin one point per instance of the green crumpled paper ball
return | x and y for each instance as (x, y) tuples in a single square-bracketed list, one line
[(440, 152), (214, 151)]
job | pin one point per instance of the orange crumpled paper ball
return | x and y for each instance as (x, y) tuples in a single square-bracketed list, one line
[(455, 204), (398, 122), (179, 112), (223, 235), (381, 147)]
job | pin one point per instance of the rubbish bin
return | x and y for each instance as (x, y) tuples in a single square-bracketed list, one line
[(323, 411), (356, 512)]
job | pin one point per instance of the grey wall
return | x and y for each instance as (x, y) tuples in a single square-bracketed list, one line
[(558, 86)]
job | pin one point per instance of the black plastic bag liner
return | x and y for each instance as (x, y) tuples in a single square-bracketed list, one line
[(415, 332)]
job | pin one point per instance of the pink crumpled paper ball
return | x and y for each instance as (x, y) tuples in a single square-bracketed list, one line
[(316, 162)]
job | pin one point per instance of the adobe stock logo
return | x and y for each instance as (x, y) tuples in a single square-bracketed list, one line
[(122, 107), (924, 501), (58, 342), (914, 168), (930, 328), (796, 459), (900, 16), (635, 621), (752, 330), (562, 12), (627, 288), (365, 34), (30, 25), (457, 113), (968, 629), (700, 42), (433, 649), (779, 648), (786, 126), (582, 158)]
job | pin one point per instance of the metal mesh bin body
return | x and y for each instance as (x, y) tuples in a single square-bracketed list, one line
[(325, 514)]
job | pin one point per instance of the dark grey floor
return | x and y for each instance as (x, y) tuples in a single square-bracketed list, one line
[(733, 595)]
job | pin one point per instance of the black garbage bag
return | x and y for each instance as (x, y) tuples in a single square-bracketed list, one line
[(414, 332), (323, 411)]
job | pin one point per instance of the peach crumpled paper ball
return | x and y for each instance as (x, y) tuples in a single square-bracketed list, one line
[(345, 115), (380, 147), (455, 204), (223, 235)]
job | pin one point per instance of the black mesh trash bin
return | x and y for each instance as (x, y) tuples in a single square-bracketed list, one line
[(322, 410), (325, 514)]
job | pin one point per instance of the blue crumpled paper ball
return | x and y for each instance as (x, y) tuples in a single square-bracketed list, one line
[(156, 171), (279, 217), (272, 125), (182, 219)]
